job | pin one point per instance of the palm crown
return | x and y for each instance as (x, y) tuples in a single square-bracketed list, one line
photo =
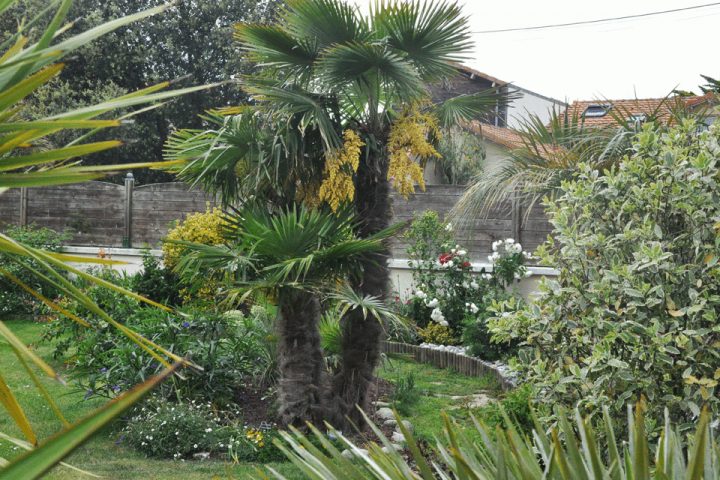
[(326, 68)]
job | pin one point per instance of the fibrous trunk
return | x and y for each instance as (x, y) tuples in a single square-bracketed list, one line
[(361, 336), (300, 359)]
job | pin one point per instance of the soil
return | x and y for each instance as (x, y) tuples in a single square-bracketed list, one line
[(258, 405)]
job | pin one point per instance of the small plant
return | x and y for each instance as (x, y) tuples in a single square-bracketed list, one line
[(438, 334), (157, 282), (405, 394)]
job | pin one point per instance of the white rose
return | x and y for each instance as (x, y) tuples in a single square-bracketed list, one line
[(444, 323), (474, 284), (509, 241), (448, 227), (432, 303), (462, 253), (437, 316), (474, 308)]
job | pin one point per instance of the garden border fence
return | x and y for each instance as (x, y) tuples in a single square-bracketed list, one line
[(470, 366)]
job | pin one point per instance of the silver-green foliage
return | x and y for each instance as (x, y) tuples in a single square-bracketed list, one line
[(569, 451), (634, 311)]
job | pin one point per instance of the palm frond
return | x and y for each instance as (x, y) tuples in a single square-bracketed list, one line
[(366, 65), (370, 305), (430, 34), (568, 451), (466, 108)]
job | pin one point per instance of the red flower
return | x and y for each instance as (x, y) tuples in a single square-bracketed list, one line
[(466, 264), (445, 258)]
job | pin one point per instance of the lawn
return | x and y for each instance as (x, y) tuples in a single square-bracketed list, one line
[(432, 393), (100, 455)]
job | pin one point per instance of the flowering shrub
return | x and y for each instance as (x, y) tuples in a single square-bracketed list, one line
[(447, 293), (182, 430), (206, 228), (634, 310)]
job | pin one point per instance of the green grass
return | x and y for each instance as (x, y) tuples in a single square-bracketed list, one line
[(434, 388), (100, 455)]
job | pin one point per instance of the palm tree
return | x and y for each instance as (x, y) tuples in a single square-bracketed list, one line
[(329, 74), (25, 67), (293, 255)]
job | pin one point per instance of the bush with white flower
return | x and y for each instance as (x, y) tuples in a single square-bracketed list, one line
[(447, 292), (193, 429)]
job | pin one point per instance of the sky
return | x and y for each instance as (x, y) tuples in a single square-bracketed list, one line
[(636, 58)]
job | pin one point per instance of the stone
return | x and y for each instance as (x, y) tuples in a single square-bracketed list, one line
[(201, 455), (385, 413), (397, 437), (390, 423), (349, 454), (393, 446), (408, 425), (476, 400)]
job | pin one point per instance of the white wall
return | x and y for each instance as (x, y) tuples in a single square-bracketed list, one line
[(401, 275), (531, 103)]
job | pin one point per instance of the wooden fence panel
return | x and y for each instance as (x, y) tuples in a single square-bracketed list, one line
[(10, 208), (99, 214), (155, 208), (92, 211)]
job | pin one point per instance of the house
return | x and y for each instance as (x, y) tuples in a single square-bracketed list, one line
[(497, 127)]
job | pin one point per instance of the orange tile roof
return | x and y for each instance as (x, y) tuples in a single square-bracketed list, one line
[(504, 136), (661, 108)]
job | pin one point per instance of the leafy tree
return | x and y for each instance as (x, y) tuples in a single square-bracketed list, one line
[(349, 95), (192, 43)]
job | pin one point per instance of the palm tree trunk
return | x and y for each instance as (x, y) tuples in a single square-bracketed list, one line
[(361, 336), (300, 358)]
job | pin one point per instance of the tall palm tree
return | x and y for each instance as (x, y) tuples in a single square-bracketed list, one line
[(326, 69), (293, 255)]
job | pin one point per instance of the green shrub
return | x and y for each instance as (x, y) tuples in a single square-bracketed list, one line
[(157, 282), (634, 310), (438, 334), (405, 394), (13, 299), (514, 405), (229, 348)]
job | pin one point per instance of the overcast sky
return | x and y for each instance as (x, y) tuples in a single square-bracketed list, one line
[(645, 57)]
